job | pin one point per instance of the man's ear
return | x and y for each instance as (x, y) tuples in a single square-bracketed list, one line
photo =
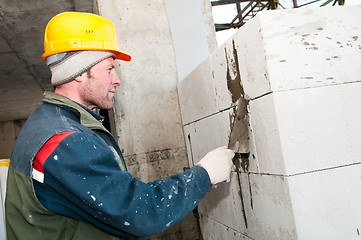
[(80, 78)]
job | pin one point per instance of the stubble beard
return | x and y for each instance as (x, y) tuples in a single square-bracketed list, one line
[(104, 104), (93, 99)]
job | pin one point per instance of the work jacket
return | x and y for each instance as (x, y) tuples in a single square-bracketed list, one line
[(67, 180)]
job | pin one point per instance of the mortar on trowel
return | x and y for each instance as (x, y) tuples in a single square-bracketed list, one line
[(239, 135)]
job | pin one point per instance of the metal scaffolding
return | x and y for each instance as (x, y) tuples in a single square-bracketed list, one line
[(247, 9)]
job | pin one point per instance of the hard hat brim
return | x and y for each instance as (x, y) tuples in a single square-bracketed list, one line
[(122, 56)]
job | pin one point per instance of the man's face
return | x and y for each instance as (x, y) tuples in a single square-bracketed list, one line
[(99, 86)]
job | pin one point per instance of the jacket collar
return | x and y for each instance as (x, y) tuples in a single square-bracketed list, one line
[(88, 118)]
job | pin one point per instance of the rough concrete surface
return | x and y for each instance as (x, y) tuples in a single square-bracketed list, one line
[(23, 73), (147, 114)]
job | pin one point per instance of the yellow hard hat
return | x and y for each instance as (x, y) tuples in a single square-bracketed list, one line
[(77, 31)]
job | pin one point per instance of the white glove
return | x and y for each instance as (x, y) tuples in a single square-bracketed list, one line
[(218, 164)]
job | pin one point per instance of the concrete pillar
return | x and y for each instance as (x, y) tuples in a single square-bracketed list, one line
[(300, 72), (146, 111)]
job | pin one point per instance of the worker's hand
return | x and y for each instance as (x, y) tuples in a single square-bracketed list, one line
[(218, 164)]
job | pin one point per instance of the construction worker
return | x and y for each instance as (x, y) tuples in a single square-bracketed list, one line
[(67, 178)]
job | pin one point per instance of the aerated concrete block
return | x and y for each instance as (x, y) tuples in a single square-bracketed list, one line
[(308, 129), (226, 76), (213, 132), (197, 94), (225, 204), (312, 47), (214, 86), (326, 203), (267, 137), (252, 62), (269, 209), (207, 134), (254, 206), (308, 48)]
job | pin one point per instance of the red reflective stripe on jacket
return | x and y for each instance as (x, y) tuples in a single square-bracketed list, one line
[(47, 149)]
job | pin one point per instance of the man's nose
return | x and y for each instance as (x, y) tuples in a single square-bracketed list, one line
[(116, 80)]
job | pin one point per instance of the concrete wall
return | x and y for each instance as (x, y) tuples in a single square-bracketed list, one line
[(146, 112), (300, 73)]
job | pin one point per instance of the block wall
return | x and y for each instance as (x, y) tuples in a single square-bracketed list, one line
[(299, 71)]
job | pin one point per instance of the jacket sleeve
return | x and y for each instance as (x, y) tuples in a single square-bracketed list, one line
[(83, 181)]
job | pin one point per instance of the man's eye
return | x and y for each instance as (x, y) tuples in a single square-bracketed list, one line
[(110, 69)]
